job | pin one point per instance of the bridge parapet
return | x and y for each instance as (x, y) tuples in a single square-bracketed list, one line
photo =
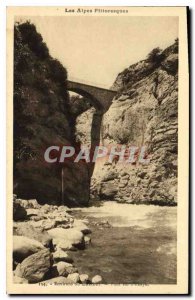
[(100, 97)]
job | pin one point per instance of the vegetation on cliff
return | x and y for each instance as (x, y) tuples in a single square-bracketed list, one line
[(144, 112), (42, 117)]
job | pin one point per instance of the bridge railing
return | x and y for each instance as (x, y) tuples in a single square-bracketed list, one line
[(87, 82)]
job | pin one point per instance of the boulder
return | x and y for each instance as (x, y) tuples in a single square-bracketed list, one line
[(84, 278), (96, 279), (60, 220), (46, 208), (31, 232), (108, 190), (23, 247), (103, 223), (67, 238), (60, 255), (110, 176), (81, 226), (87, 240), (142, 174), (56, 213), (75, 278), (65, 226), (35, 217), (62, 208), (63, 245), (19, 212), (63, 269), (32, 211), (32, 203), (35, 267), (44, 224)]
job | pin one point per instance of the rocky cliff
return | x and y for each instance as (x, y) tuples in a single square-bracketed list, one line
[(144, 112), (42, 117)]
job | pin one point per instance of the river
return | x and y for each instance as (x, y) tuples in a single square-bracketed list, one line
[(138, 248)]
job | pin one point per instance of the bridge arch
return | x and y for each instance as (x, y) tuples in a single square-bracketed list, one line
[(101, 98), (87, 95)]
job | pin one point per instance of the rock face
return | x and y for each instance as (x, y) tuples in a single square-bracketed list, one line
[(42, 118), (144, 113), (35, 267)]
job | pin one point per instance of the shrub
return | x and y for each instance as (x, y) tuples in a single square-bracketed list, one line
[(155, 56)]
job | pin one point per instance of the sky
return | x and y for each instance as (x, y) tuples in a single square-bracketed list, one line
[(96, 49)]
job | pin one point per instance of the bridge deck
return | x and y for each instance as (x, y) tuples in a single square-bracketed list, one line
[(100, 97)]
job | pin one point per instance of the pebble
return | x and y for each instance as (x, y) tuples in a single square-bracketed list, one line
[(74, 277), (96, 279), (84, 278), (87, 240)]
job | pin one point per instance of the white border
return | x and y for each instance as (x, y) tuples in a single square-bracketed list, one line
[(3, 5)]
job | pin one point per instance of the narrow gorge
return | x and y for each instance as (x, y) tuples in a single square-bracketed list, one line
[(143, 112), (80, 223)]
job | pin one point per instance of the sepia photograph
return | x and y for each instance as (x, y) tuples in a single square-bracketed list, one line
[(97, 196)]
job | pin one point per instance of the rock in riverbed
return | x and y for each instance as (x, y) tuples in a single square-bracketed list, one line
[(63, 269), (32, 232), (23, 247), (47, 228), (96, 279), (35, 267), (84, 278), (75, 278), (67, 238), (60, 255), (87, 240), (81, 226), (19, 212), (32, 203)]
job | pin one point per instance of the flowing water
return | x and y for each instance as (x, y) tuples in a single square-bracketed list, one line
[(138, 248)]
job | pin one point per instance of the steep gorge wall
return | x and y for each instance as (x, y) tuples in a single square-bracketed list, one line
[(143, 113), (42, 118)]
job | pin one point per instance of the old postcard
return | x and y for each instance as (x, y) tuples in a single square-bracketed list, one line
[(97, 150)]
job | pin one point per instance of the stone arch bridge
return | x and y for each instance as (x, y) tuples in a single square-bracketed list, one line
[(100, 97)]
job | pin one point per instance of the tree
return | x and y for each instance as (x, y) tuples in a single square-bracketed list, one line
[(155, 56)]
